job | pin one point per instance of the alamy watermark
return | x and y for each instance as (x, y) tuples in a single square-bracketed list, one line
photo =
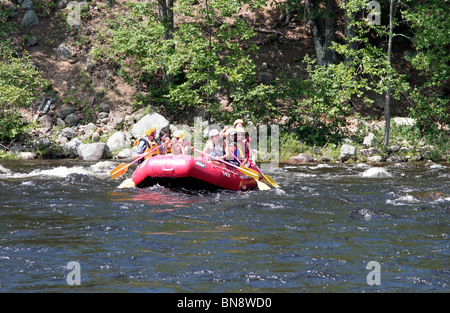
[(374, 276), (74, 15), (374, 15), (74, 276)]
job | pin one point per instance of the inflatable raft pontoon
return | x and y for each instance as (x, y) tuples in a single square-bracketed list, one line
[(184, 171)]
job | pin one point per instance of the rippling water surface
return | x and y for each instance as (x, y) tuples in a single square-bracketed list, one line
[(315, 234)]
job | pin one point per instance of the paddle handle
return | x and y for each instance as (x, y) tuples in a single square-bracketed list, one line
[(196, 150), (257, 168), (122, 168)]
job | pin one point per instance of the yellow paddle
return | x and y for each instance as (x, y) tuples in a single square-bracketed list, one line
[(127, 183), (244, 170), (266, 178), (122, 168)]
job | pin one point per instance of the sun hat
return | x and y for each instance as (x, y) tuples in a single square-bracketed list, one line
[(150, 131), (213, 132), (240, 129), (179, 134), (237, 122)]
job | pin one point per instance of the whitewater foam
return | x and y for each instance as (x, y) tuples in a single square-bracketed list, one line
[(376, 172), (403, 200)]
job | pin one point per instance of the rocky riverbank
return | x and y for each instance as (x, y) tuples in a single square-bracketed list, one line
[(369, 149), (60, 134)]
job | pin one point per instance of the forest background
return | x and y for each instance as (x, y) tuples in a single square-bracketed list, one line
[(315, 67)]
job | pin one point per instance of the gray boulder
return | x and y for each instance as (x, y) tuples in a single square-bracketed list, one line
[(347, 152), (369, 139), (147, 122), (30, 19), (404, 121), (93, 151), (63, 52), (104, 107), (71, 119), (61, 4), (32, 41), (90, 128), (71, 147), (27, 5), (27, 155), (300, 159), (64, 111), (125, 154), (46, 121), (118, 141), (68, 132), (265, 78)]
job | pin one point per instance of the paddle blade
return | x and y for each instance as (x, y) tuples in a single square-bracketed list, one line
[(262, 186), (119, 171), (269, 180), (249, 172), (127, 183)]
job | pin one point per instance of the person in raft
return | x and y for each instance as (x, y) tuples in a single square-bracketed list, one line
[(165, 137), (237, 124), (180, 146), (244, 144), (147, 143), (215, 146), (231, 146)]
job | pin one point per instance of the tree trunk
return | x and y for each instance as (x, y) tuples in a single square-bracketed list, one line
[(324, 29), (165, 13), (387, 108), (350, 33)]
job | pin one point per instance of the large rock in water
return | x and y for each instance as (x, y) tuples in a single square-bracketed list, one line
[(93, 151), (147, 122)]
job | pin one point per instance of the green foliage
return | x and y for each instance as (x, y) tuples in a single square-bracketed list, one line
[(320, 115), (431, 112), (198, 62), (289, 145), (19, 81), (431, 26), (11, 125), (325, 96)]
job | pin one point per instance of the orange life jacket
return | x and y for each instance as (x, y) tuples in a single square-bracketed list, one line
[(152, 145)]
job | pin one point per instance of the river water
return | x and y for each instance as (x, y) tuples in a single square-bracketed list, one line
[(317, 233)]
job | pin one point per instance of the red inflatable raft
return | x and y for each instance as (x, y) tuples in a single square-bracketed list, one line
[(175, 171)]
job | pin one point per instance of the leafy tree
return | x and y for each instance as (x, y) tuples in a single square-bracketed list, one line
[(363, 66), (364, 69), (431, 39), (204, 56), (19, 81)]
